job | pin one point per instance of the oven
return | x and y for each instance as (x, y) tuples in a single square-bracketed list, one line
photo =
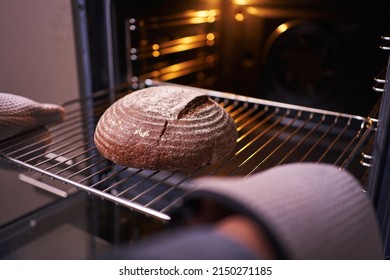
[(304, 82)]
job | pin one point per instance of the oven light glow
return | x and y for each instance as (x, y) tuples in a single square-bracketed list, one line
[(156, 53), (211, 16), (156, 74), (202, 14), (212, 13), (175, 68), (206, 13), (240, 2), (239, 17), (211, 19), (281, 28), (197, 20), (210, 59), (156, 47), (210, 36), (187, 40)]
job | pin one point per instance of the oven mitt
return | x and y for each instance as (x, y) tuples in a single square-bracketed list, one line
[(19, 114), (312, 211)]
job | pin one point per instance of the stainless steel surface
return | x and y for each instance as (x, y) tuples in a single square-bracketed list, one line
[(180, 45), (378, 176), (380, 81), (270, 134)]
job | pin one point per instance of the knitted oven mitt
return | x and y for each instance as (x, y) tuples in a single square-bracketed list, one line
[(19, 114)]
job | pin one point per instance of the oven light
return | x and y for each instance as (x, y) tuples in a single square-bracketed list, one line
[(175, 68), (281, 28), (211, 19), (202, 14), (197, 20), (211, 16), (156, 47), (239, 17), (212, 13), (210, 36), (187, 40), (210, 59), (156, 74), (206, 13), (156, 53), (240, 2)]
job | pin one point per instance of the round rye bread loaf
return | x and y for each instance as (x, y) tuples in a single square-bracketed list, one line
[(165, 128)]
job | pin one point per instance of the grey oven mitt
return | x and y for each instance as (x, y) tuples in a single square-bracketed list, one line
[(312, 211), (19, 114)]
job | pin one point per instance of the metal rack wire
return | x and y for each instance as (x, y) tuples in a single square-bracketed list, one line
[(270, 134)]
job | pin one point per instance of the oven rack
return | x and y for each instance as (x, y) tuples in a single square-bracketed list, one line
[(63, 156)]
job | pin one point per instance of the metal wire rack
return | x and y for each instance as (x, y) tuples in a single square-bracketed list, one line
[(270, 134)]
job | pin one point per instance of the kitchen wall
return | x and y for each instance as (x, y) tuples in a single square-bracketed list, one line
[(37, 60), (37, 50)]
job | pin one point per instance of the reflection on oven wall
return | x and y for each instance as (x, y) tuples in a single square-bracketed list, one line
[(178, 45), (315, 54), (320, 54)]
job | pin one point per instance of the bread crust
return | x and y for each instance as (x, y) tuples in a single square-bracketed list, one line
[(165, 128)]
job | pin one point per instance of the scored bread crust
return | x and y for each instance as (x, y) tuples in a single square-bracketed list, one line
[(165, 128)]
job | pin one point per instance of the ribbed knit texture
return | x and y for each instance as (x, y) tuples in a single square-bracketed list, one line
[(19, 114), (314, 211)]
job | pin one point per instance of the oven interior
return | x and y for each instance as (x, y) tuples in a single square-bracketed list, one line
[(294, 78)]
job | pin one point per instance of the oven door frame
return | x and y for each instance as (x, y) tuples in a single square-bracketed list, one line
[(98, 69)]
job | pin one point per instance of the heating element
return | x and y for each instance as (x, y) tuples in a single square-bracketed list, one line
[(269, 134), (179, 47)]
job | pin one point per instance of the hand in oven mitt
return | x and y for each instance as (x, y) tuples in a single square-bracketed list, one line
[(19, 114)]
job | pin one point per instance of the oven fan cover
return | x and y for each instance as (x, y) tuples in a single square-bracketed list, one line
[(305, 63)]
